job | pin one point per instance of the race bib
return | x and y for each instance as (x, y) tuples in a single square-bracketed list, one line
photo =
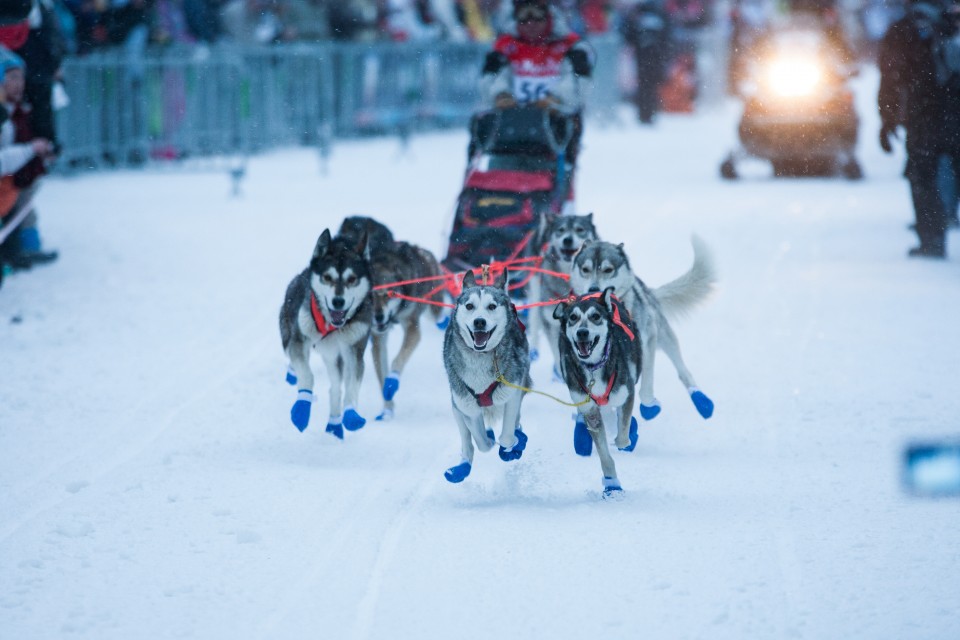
[(531, 89)]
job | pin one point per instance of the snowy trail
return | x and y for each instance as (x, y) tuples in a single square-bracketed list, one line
[(151, 484)]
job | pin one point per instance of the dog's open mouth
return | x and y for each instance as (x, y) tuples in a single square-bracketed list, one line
[(480, 339), (568, 254), (584, 349), (338, 318)]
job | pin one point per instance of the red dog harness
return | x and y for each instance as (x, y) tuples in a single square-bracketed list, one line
[(323, 326), (485, 399)]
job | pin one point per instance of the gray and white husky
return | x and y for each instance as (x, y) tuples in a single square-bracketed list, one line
[(562, 237), (600, 356), (601, 265), (402, 262), (484, 345), (327, 307)]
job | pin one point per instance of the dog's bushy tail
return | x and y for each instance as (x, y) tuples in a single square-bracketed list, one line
[(679, 297)]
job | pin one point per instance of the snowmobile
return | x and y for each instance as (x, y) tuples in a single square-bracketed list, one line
[(517, 172), (798, 112)]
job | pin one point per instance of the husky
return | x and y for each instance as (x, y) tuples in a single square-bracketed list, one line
[(562, 237), (401, 263), (378, 236), (327, 308), (485, 345), (600, 360), (601, 265)]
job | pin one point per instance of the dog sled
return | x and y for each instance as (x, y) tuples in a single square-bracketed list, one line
[(518, 172)]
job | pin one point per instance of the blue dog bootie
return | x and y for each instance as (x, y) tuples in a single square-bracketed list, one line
[(612, 489), (442, 325), (634, 435), (335, 427), (390, 385), (514, 452), (534, 354), (300, 413), (352, 420), (291, 377), (458, 473), (651, 411), (703, 404), (385, 416), (582, 442)]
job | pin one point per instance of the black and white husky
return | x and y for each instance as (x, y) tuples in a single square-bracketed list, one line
[(600, 356), (327, 307), (484, 346), (401, 263), (601, 265), (562, 238)]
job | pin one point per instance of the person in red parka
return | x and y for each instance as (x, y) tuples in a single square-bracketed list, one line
[(538, 60)]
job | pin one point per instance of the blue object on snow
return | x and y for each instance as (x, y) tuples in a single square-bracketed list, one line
[(29, 239), (703, 404), (291, 378), (300, 412), (386, 416), (582, 442), (336, 429), (634, 435), (457, 473), (612, 490), (649, 412), (390, 386), (517, 450), (443, 322), (352, 420), (490, 435), (534, 354)]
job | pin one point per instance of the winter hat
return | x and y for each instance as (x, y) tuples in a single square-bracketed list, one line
[(9, 60), (530, 10)]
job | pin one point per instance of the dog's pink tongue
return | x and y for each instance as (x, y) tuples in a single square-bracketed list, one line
[(338, 317), (480, 338)]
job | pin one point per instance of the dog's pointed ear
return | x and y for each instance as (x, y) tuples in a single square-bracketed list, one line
[(559, 311), (608, 299), (590, 217), (469, 280), (501, 280), (322, 243)]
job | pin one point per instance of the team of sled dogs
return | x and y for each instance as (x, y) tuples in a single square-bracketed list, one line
[(604, 332)]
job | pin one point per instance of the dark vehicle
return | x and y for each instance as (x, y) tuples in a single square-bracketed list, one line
[(517, 173), (798, 112)]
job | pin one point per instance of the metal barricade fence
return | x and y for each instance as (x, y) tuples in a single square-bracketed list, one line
[(227, 101)]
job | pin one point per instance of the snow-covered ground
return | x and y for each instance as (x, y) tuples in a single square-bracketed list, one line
[(152, 486)]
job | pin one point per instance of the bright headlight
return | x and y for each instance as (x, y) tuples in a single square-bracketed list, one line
[(793, 77)]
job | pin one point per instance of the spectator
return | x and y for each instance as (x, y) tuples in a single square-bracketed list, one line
[(920, 89), (22, 158), (203, 19), (646, 29)]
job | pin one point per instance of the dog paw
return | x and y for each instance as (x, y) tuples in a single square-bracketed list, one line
[(582, 442), (703, 404), (385, 416), (612, 489), (335, 429), (291, 377), (634, 436), (352, 420), (390, 386), (300, 412), (458, 473), (534, 354), (491, 438), (649, 412), (514, 452)]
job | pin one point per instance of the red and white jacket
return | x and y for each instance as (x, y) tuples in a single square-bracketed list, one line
[(560, 68)]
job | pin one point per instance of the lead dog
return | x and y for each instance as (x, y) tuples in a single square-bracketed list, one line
[(484, 345), (600, 358), (601, 265), (327, 307), (402, 262)]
